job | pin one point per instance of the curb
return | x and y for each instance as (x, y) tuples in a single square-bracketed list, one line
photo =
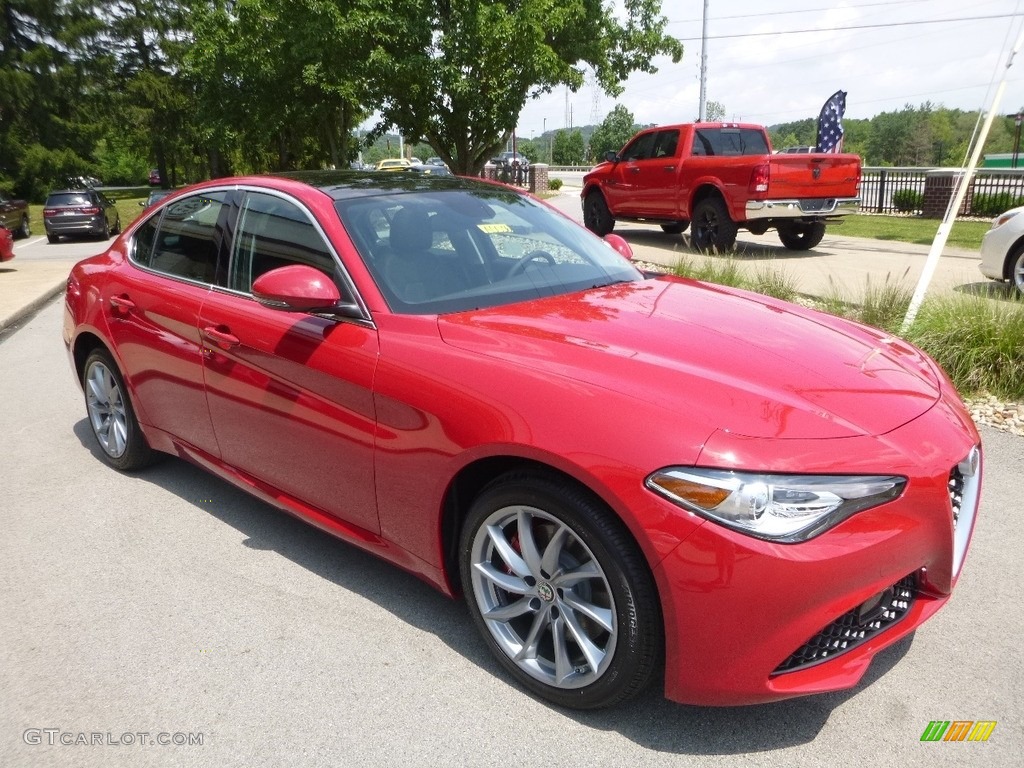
[(29, 309)]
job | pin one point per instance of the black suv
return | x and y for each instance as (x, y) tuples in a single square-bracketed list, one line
[(79, 212)]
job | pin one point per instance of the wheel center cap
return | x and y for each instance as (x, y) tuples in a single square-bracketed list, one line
[(545, 592)]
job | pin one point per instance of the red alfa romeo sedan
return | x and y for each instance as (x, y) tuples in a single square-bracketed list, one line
[(627, 476)]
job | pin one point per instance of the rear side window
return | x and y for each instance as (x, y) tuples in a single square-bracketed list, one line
[(273, 232), (184, 241), (727, 142)]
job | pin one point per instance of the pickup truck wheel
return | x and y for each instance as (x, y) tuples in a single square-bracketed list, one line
[(801, 236), (675, 229), (713, 230), (596, 216)]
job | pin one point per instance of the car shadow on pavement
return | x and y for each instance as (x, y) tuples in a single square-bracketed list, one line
[(649, 720), (744, 250), (991, 289)]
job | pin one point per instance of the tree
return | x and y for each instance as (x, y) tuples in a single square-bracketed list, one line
[(567, 148), (458, 72), (714, 112), (612, 134)]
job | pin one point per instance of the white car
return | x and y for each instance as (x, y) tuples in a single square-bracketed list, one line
[(1002, 249)]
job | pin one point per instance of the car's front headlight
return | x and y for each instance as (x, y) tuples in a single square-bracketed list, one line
[(783, 508)]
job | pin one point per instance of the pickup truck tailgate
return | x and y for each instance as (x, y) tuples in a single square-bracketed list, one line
[(813, 176)]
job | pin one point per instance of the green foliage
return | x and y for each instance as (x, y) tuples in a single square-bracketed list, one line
[(43, 169), (995, 203), (118, 163), (976, 340), (612, 134), (907, 200), (555, 184), (567, 148)]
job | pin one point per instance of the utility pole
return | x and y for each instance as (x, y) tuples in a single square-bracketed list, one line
[(703, 109)]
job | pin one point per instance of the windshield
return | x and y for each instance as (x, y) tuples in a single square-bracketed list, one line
[(440, 251)]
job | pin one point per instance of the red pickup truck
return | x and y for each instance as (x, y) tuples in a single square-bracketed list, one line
[(720, 177)]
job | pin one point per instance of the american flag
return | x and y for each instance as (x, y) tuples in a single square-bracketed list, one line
[(830, 123)]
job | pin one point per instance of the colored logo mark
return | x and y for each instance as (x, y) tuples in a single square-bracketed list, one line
[(958, 730)]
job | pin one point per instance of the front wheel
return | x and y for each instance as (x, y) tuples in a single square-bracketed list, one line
[(801, 236), (24, 230), (596, 216), (560, 592), (1015, 270), (111, 415), (713, 228)]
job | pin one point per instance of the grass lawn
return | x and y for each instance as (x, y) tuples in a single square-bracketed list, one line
[(910, 229)]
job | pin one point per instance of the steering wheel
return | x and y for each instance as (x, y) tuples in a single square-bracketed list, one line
[(520, 266)]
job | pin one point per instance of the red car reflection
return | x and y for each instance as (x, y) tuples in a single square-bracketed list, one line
[(624, 474)]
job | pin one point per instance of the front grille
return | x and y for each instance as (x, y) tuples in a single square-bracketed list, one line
[(956, 493), (854, 627)]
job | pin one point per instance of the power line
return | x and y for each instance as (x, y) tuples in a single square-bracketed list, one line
[(802, 11), (851, 27)]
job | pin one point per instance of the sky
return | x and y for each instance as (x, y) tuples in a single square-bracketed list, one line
[(764, 66)]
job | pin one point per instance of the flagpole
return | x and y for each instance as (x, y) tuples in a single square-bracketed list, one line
[(942, 235)]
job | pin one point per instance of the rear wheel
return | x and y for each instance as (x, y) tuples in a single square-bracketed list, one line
[(800, 235), (560, 592), (24, 230), (117, 224), (111, 415), (105, 232), (596, 216), (51, 238), (713, 229), (675, 229)]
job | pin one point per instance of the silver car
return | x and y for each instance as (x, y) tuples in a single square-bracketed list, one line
[(1002, 249)]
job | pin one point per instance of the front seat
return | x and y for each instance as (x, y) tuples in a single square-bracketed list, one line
[(411, 270)]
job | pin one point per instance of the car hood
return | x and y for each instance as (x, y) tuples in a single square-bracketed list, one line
[(736, 361)]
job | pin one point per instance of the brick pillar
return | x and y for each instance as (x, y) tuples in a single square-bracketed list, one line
[(939, 186), (538, 182)]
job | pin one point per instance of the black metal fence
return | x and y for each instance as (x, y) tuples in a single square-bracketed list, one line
[(895, 190)]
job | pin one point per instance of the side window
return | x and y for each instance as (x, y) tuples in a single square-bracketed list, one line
[(666, 143), (641, 148), (145, 238), (187, 239), (273, 232)]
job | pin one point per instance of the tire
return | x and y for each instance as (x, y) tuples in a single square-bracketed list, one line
[(596, 216), (117, 225), (111, 416), (1015, 270), (24, 230), (675, 229), (105, 232), (596, 640), (713, 229), (801, 236), (51, 238)]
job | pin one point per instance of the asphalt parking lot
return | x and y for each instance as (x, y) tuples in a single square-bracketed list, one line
[(169, 606)]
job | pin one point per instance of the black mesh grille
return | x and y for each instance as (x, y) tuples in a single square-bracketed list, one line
[(855, 627), (956, 493)]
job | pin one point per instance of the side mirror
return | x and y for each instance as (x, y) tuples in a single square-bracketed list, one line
[(611, 156), (297, 288), (619, 243)]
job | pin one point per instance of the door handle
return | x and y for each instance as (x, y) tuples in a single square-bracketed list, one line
[(220, 338), (121, 306), (669, 168), (634, 169)]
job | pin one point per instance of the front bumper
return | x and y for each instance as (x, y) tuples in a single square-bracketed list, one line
[(751, 621), (801, 209)]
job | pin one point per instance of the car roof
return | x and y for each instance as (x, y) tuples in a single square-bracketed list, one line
[(342, 185)]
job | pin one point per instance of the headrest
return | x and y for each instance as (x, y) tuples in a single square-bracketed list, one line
[(410, 231)]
